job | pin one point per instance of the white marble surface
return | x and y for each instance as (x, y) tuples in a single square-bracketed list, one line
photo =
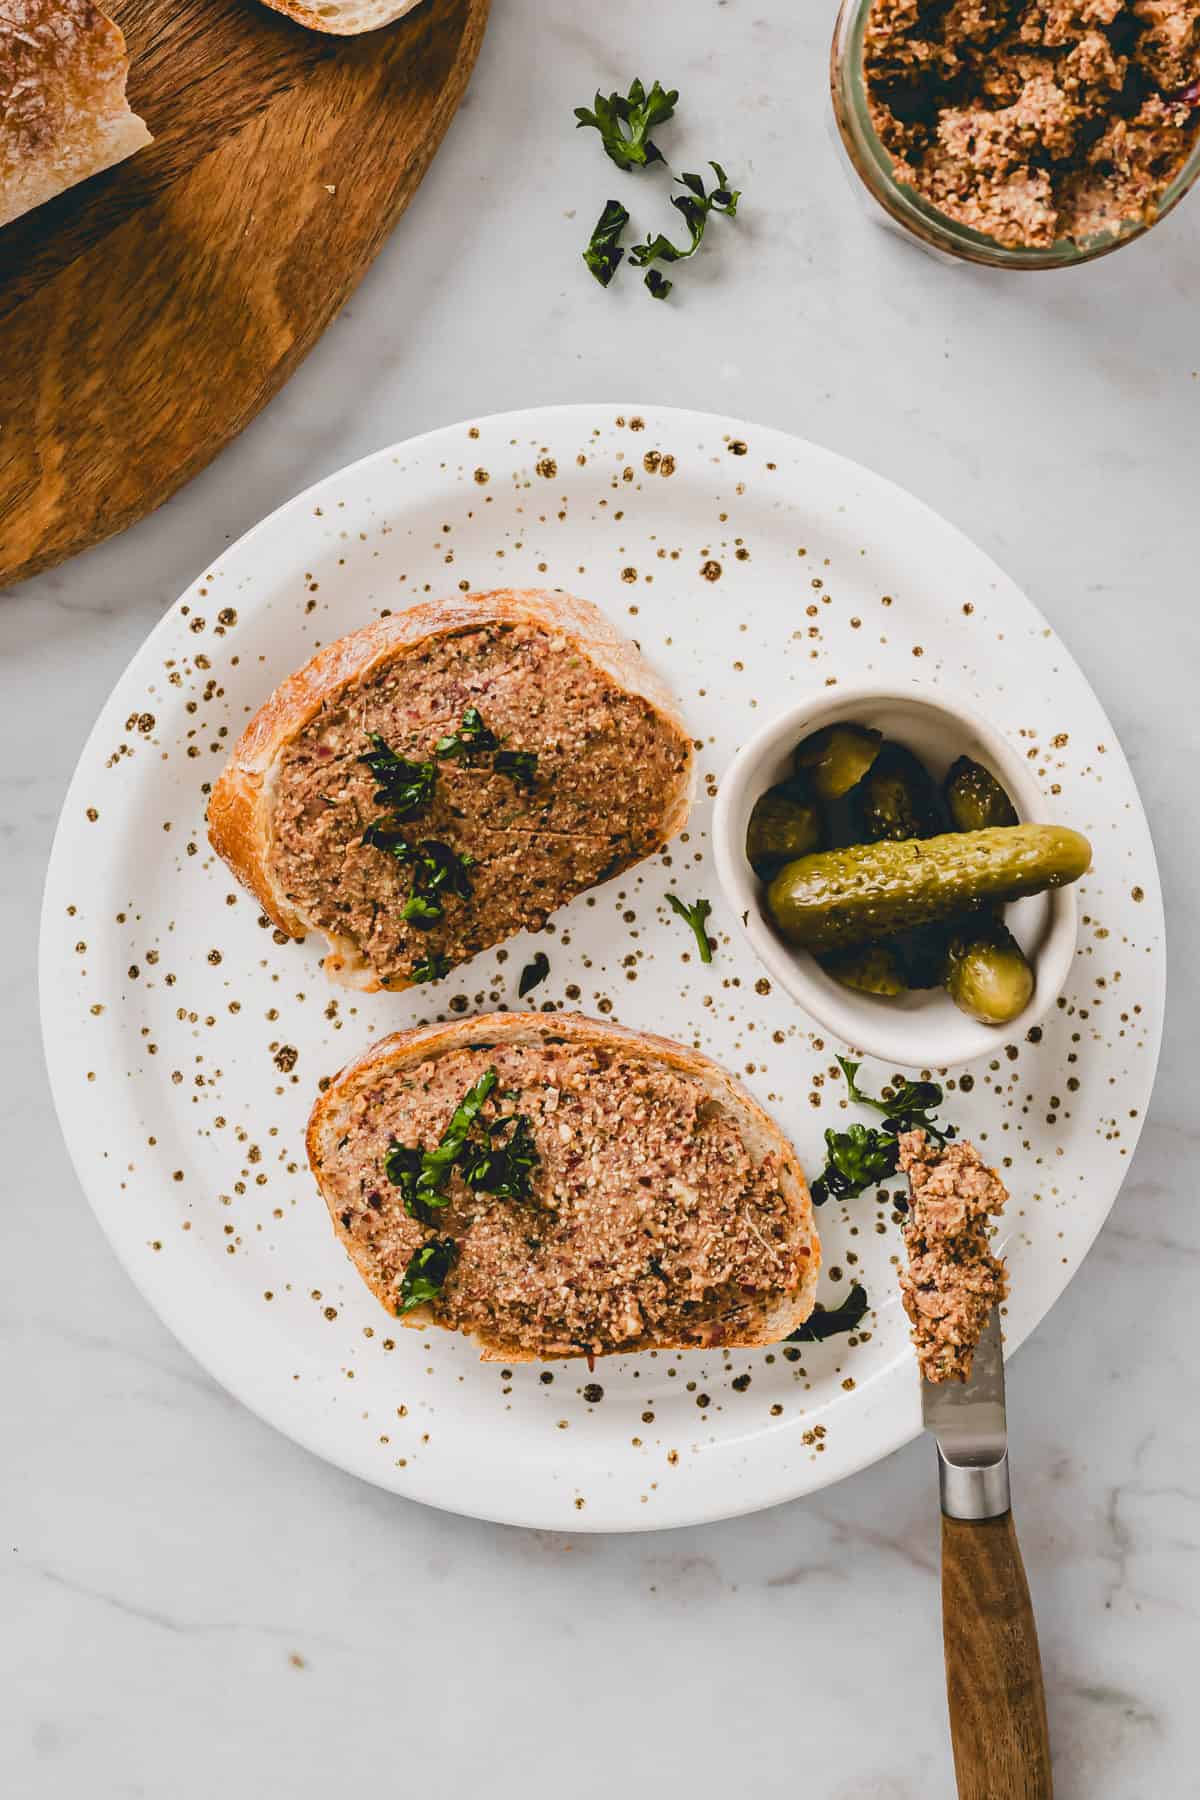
[(190, 1604)]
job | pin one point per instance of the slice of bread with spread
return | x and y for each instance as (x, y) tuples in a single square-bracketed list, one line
[(448, 776), (557, 1186), (63, 111)]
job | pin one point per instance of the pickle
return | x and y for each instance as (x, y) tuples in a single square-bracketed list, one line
[(784, 824), (897, 798), (924, 954), (975, 799), (868, 969), (988, 974), (835, 759), (837, 898)]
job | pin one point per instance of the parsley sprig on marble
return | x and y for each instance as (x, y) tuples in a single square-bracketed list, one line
[(624, 122), (604, 252), (694, 208)]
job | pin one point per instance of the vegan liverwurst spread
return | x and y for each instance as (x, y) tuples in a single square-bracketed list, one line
[(604, 759), (1035, 120), (953, 1279), (648, 1220)]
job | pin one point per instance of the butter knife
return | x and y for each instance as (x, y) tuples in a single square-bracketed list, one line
[(993, 1667)]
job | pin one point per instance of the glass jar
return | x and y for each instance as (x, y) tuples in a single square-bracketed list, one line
[(916, 218)]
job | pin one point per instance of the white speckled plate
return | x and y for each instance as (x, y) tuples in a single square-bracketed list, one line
[(185, 1043)]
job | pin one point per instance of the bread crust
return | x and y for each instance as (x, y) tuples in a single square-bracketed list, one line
[(344, 18), (239, 811), (63, 111), (426, 1043)]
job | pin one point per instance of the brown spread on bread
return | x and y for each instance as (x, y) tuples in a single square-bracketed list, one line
[(590, 771), (663, 1209)]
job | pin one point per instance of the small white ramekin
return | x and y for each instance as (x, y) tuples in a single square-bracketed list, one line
[(921, 1030)]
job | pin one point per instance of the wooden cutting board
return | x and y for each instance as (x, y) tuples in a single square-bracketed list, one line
[(147, 315)]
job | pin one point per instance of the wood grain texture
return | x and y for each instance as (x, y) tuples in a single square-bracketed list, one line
[(148, 314), (993, 1666)]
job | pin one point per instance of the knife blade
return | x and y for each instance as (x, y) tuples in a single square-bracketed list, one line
[(967, 1419)]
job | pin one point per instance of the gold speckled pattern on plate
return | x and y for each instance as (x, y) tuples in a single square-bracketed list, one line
[(185, 1040)]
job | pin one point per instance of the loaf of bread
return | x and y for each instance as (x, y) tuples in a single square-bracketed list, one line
[(63, 111), (447, 776), (591, 1190)]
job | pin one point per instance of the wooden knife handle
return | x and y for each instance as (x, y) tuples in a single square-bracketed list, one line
[(993, 1668)]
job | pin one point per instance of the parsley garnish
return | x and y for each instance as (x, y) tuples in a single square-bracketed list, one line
[(472, 736), (405, 787), (437, 870), (421, 911), (826, 1322), (503, 1168), (421, 1175), (855, 1160), (426, 1273), (519, 765), (695, 917), (604, 251), (906, 1108), (495, 1164), (625, 120), (382, 834), (430, 968), (694, 208), (864, 1155), (532, 974)]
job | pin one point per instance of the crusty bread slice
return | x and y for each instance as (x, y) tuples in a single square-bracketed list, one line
[(365, 1104), (241, 807), (345, 17), (63, 111)]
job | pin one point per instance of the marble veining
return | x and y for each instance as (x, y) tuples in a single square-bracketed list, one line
[(189, 1602)]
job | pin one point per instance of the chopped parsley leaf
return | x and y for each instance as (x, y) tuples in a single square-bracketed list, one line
[(695, 917), (826, 1322), (533, 974), (694, 208), (472, 736), (505, 1167), (604, 252), (405, 787), (421, 911), (624, 122), (864, 1155), (519, 765), (430, 968), (485, 1158), (426, 1274), (854, 1161)]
